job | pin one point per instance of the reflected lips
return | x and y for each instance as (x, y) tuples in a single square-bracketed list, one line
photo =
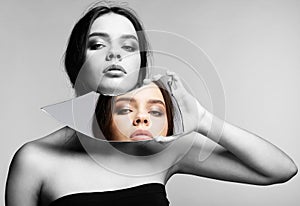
[(141, 135)]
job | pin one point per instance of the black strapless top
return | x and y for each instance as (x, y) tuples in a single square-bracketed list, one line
[(152, 194)]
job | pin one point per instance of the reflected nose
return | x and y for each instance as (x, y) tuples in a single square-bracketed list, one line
[(141, 119), (112, 54)]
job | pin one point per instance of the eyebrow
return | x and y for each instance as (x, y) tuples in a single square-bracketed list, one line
[(156, 101), (106, 35), (128, 36), (125, 99), (151, 101), (99, 34)]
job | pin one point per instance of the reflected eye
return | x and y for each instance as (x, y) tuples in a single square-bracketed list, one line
[(156, 113), (96, 46), (123, 111)]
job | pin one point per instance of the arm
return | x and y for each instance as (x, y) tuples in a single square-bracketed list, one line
[(24, 180), (236, 154), (240, 156)]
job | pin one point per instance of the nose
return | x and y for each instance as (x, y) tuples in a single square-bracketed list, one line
[(141, 119), (113, 54)]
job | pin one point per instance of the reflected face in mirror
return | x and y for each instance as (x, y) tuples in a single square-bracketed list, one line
[(112, 57), (139, 115)]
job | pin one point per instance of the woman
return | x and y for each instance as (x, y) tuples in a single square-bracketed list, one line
[(57, 167), (141, 114), (107, 46), (107, 54)]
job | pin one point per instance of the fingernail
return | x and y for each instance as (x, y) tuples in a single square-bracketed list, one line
[(146, 81)]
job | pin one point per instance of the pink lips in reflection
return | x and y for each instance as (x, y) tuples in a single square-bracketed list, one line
[(141, 135)]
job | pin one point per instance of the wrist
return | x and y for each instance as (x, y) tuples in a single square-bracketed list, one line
[(205, 123)]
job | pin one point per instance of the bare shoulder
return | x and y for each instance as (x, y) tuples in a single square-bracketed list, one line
[(35, 152), (58, 137), (30, 165)]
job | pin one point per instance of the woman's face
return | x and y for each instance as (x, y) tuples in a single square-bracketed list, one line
[(139, 115), (113, 57)]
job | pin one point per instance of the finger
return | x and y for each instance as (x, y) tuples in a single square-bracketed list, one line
[(156, 77), (147, 81), (172, 86), (170, 73), (162, 139), (171, 81), (175, 77), (172, 78), (177, 88)]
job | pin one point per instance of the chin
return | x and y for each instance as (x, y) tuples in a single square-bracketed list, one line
[(115, 86)]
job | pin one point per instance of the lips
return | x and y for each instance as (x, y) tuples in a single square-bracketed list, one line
[(113, 68), (141, 135)]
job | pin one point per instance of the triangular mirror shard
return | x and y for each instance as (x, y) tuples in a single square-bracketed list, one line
[(76, 113)]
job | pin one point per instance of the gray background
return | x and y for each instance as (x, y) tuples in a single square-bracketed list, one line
[(254, 45)]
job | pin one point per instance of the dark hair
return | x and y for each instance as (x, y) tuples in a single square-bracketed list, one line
[(104, 112), (75, 54)]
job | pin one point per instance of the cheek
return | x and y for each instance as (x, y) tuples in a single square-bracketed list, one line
[(159, 126), (123, 124), (132, 62), (165, 130), (91, 71), (95, 62)]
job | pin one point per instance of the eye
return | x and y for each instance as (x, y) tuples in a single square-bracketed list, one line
[(124, 111), (129, 48), (156, 113), (96, 46)]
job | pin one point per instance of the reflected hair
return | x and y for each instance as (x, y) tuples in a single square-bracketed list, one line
[(75, 54), (103, 112)]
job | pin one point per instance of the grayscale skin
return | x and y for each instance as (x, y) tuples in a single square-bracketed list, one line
[(57, 164)]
